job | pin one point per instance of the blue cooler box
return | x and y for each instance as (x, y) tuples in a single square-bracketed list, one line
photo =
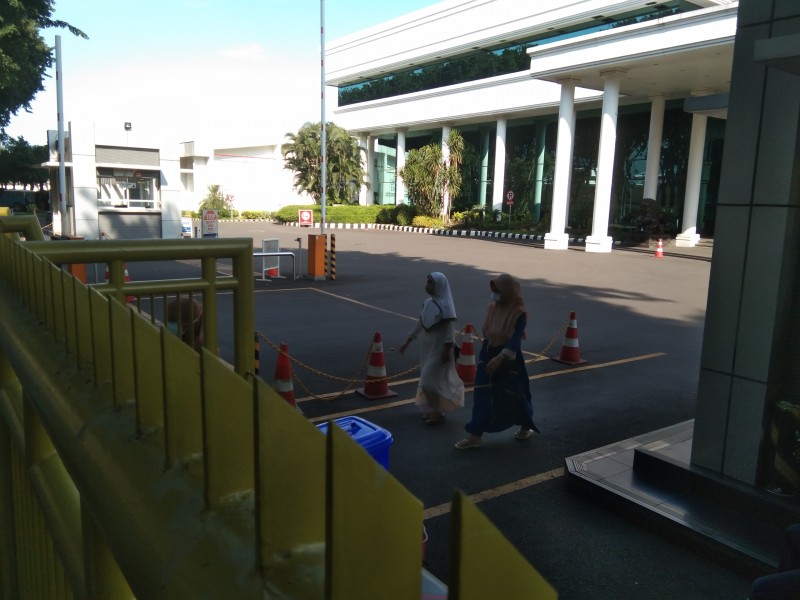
[(369, 436)]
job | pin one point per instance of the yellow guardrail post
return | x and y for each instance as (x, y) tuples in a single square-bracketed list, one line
[(104, 579), (244, 315), (8, 547), (227, 413), (26, 226), (290, 509)]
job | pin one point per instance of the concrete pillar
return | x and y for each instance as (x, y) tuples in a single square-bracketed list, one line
[(499, 164), (84, 212), (557, 238), (654, 138), (484, 166), (600, 241), (400, 162), (541, 133), (445, 160), (365, 192), (751, 340), (694, 173)]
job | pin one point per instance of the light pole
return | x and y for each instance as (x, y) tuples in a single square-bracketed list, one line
[(62, 171), (323, 138)]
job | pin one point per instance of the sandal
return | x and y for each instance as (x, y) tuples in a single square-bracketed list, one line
[(524, 434), (468, 443), (433, 419)]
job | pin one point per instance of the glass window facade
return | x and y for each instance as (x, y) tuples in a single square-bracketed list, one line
[(491, 62), (530, 164)]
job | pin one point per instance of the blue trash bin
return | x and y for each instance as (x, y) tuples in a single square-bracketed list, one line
[(374, 439)]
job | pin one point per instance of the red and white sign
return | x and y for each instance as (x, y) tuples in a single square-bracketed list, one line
[(510, 198), (210, 223), (306, 217)]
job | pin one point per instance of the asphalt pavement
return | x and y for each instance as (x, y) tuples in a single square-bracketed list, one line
[(640, 324)]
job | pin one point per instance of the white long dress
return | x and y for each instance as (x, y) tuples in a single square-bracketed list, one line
[(440, 389)]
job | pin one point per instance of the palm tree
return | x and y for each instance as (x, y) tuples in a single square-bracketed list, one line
[(216, 200), (344, 171), (428, 176)]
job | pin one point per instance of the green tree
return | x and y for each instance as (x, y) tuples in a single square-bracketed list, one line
[(344, 171), (19, 165), (24, 55), (216, 200), (427, 175)]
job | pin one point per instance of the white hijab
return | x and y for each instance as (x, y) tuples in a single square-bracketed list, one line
[(440, 306)]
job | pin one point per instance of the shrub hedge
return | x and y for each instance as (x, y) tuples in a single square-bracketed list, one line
[(338, 214), (388, 214)]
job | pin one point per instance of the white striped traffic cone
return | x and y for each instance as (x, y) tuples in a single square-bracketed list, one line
[(283, 376), (570, 350), (465, 365), (127, 279), (376, 386)]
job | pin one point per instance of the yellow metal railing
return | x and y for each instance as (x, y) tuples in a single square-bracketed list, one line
[(133, 466)]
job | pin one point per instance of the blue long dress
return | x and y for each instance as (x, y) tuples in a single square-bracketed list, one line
[(502, 400)]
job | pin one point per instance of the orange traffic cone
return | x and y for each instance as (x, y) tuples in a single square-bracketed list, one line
[(127, 278), (465, 365), (660, 249), (376, 386), (283, 375), (570, 350)]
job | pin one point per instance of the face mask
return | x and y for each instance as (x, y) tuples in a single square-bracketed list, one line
[(495, 297), (173, 327)]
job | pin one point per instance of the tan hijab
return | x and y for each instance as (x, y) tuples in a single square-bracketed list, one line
[(501, 316)]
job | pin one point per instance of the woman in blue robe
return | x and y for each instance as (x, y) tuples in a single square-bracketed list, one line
[(502, 395)]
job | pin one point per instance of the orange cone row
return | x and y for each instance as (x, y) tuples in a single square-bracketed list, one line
[(376, 385)]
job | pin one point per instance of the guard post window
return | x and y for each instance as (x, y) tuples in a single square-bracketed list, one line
[(127, 188)]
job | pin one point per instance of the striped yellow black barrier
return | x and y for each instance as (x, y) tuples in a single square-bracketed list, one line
[(332, 263), (256, 349)]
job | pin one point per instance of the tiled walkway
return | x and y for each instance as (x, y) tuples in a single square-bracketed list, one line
[(649, 478)]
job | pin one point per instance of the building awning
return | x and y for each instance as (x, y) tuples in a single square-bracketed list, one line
[(674, 57)]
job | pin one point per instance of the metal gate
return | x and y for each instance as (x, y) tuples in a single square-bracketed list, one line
[(130, 225)]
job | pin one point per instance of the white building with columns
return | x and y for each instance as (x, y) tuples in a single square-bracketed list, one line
[(535, 84)]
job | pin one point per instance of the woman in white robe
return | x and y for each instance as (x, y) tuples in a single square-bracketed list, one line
[(440, 389)]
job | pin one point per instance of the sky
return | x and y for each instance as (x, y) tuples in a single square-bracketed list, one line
[(225, 71)]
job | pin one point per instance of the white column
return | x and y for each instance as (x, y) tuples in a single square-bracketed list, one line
[(600, 241), (84, 181), (445, 160), (541, 136), (400, 162), (484, 167), (499, 164), (689, 236), (654, 139), (366, 163), (556, 238)]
